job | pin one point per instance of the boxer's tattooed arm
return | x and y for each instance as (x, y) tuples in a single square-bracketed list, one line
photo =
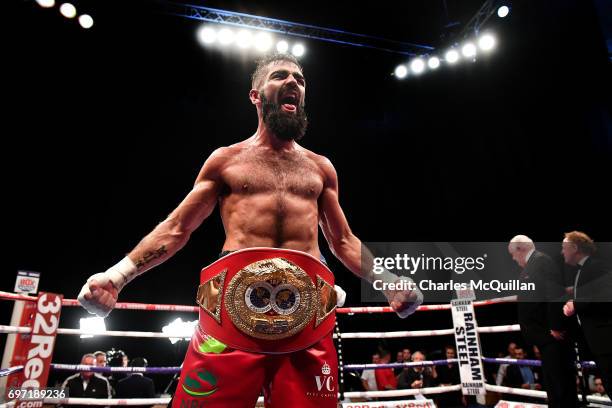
[(151, 255)]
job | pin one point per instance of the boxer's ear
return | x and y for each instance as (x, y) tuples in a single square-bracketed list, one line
[(254, 96)]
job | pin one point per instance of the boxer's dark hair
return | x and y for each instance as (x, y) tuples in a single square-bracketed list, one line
[(262, 64), (583, 242)]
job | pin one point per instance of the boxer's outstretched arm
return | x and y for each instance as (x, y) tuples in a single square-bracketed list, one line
[(349, 250), (172, 234), (100, 292), (343, 243)]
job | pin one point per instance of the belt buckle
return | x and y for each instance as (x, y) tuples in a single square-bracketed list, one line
[(271, 299)]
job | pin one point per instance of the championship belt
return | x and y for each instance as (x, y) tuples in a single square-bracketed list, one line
[(267, 300)]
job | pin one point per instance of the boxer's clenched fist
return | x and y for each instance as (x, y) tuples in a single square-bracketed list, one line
[(99, 295), (404, 302)]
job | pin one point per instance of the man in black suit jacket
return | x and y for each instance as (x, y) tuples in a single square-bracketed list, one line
[(592, 297), (136, 385), (86, 384), (519, 376), (542, 323)]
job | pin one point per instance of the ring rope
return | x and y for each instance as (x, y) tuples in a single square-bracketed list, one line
[(99, 401), (364, 394), (348, 367), (356, 367), (402, 393), (539, 394), (8, 371), (195, 309), (357, 335)]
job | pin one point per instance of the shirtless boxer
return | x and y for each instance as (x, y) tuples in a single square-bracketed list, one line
[(273, 194)]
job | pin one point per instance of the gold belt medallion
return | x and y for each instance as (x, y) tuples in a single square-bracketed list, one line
[(271, 299)]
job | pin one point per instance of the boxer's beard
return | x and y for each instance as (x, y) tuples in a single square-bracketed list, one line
[(284, 125)]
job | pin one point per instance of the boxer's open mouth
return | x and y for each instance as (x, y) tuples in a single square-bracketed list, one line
[(289, 102)]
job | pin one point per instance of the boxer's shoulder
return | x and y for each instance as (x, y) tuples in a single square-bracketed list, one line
[(323, 163), (218, 160), (225, 153)]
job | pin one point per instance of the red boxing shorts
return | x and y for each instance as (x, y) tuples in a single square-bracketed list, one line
[(266, 323)]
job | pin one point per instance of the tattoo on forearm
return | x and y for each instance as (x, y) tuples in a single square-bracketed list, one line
[(151, 255)]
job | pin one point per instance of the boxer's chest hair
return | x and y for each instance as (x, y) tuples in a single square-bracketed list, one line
[(285, 175)]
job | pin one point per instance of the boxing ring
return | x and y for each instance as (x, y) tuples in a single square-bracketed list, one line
[(339, 336)]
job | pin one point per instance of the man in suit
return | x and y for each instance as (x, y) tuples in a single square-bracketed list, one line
[(86, 384), (449, 375), (592, 297), (521, 376), (542, 323), (501, 371), (136, 385), (416, 377)]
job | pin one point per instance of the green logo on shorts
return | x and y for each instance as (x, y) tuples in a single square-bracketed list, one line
[(200, 383), (212, 345)]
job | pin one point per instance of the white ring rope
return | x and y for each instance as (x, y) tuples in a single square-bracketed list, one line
[(357, 335), (100, 401), (539, 394), (195, 309), (426, 333), (402, 393), (516, 391), (106, 402), (364, 394), (114, 333)]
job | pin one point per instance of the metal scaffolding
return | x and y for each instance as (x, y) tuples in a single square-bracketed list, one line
[(472, 28), (196, 12), (231, 18)]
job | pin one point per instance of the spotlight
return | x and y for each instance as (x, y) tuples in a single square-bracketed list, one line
[(486, 42), (93, 325), (207, 35), (469, 50), (46, 3), (263, 41), (182, 330), (282, 47), (86, 21), (226, 36), (68, 10), (401, 71), (417, 66), (244, 38), (298, 50), (503, 11), (451, 56), (433, 62)]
